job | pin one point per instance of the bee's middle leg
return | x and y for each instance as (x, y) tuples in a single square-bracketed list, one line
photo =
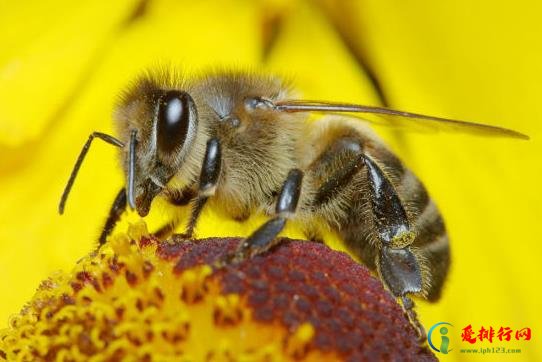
[(265, 237)]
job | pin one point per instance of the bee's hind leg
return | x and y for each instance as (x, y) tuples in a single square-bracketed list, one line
[(346, 166), (396, 263), (265, 237)]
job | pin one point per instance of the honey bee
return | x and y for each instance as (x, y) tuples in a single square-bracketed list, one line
[(240, 141)]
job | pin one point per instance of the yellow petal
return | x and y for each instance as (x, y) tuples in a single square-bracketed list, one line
[(49, 51)]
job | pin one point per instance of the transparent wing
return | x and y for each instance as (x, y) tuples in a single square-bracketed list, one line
[(390, 117)]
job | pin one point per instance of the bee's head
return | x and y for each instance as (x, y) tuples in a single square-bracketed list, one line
[(158, 127)]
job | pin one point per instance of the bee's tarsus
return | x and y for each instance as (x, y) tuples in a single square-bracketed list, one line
[(399, 270), (118, 207), (197, 207), (408, 308)]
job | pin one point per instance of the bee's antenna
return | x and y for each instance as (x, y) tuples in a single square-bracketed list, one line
[(131, 169), (105, 137)]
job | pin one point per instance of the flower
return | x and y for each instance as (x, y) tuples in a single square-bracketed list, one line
[(63, 62), (141, 299)]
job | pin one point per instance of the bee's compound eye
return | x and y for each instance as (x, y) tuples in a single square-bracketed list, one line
[(174, 112)]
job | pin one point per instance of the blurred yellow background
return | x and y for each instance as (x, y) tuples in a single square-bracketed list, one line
[(62, 64)]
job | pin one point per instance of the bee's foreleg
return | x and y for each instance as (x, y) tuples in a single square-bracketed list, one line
[(209, 175), (265, 237), (208, 180), (118, 207), (397, 265)]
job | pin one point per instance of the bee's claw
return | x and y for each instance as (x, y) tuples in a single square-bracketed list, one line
[(229, 259), (408, 308), (182, 238)]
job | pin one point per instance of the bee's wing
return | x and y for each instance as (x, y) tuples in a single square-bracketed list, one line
[(379, 115)]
